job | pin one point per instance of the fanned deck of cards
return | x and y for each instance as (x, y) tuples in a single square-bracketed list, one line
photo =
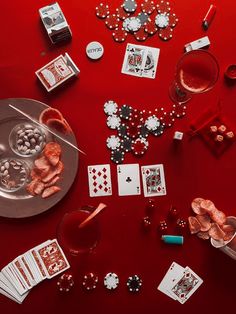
[(27, 270), (180, 283)]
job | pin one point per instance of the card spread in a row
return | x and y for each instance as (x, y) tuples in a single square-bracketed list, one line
[(180, 283), (153, 178), (27, 270)]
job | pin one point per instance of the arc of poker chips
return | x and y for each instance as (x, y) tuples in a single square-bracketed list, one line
[(111, 281)]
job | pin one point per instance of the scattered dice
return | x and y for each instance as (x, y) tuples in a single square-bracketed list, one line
[(163, 226), (219, 138), (222, 129), (181, 225), (146, 222)]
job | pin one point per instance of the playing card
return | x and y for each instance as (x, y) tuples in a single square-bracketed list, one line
[(128, 179), (153, 180), (173, 273), (140, 61), (52, 259), (11, 276), (33, 267), (186, 285), (99, 177), (21, 273), (7, 289)]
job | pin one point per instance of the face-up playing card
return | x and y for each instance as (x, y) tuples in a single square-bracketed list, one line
[(186, 285), (99, 177), (153, 180), (140, 61), (52, 259), (128, 179), (173, 273)]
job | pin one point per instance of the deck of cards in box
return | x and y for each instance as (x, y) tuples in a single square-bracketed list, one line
[(57, 72), (55, 23)]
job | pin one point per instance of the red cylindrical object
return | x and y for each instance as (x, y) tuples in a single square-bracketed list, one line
[(209, 17)]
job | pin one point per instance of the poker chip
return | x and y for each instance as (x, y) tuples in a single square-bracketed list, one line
[(122, 130), (111, 281), (159, 112), (139, 146), (147, 6), (173, 20), (165, 33), (125, 112), (102, 11), (141, 35), (136, 117), (110, 107), (121, 14), (179, 110), (130, 6), (90, 281), (134, 24), (113, 121), (167, 120), (119, 35), (133, 130), (113, 142), (134, 283), (65, 283), (144, 131), (152, 123), (163, 7), (162, 20), (150, 28), (126, 24), (159, 131), (112, 21), (126, 144), (117, 156), (94, 50), (143, 17)]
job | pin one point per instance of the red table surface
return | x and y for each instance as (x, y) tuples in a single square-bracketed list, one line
[(190, 171)]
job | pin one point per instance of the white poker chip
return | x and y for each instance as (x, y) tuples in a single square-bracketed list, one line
[(162, 20), (113, 122), (152, 123), (94, 50), (134, 24), (126, 24), (110, 107), (111, 281), (113, 142)]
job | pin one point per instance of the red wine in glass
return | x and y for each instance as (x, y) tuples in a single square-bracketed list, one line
[(196, 72), (77, 240)]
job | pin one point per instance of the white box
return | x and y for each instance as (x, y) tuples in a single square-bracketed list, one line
[(197, 44)]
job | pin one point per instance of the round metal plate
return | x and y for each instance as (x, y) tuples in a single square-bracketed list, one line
[(20, 204)]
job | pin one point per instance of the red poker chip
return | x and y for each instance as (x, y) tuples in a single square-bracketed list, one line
[(150, 28), (139, 146), (146, 114), (173, 20), (163, 7), (90, 281), (136, 117), (112, 21), (148, 6), (133, 130), (168, 119), (165, 33), (102, 11), (159, 113), (119, 35), (65, 283), (121, 13), (179, 110), (141, 35)]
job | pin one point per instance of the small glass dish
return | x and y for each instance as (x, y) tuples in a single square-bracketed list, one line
[(27, 139), (13, 174)]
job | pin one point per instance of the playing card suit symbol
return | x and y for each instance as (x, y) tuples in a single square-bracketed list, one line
[(128, 179)]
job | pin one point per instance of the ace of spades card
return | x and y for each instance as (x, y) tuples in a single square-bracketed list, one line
[(128, 179), (153, 180), (99, 177)]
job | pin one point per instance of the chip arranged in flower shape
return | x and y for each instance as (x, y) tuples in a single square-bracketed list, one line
[(148, 6), (162, 20), (134, 283), (113, 142), (113, 121), (139, 146), (102, 11), (111, 281), (112, 21), (90, 281), (110, 107), (130, 6), (152, 123)]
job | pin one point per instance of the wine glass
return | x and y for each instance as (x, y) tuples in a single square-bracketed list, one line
[(77, 240), (196, 72)]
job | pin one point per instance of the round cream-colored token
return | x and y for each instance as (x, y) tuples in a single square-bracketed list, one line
[(94, 50)]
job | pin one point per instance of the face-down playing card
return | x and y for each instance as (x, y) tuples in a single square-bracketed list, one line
[(99, 177), (153, 180), (128, 179)]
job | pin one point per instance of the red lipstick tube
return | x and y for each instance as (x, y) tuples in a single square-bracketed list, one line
[(209, 17)]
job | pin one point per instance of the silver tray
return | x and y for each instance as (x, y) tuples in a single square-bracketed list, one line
[(20, 204)]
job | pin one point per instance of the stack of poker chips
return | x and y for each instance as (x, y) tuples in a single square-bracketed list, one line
[(55, 23), (133, 127)]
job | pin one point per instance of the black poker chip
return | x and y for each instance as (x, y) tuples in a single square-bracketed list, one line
[(134, 283), (130, 6), (125, 112), (143, 17), (122, 130), (144, 131), (117, 156), (159, 131), (126, 144)]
